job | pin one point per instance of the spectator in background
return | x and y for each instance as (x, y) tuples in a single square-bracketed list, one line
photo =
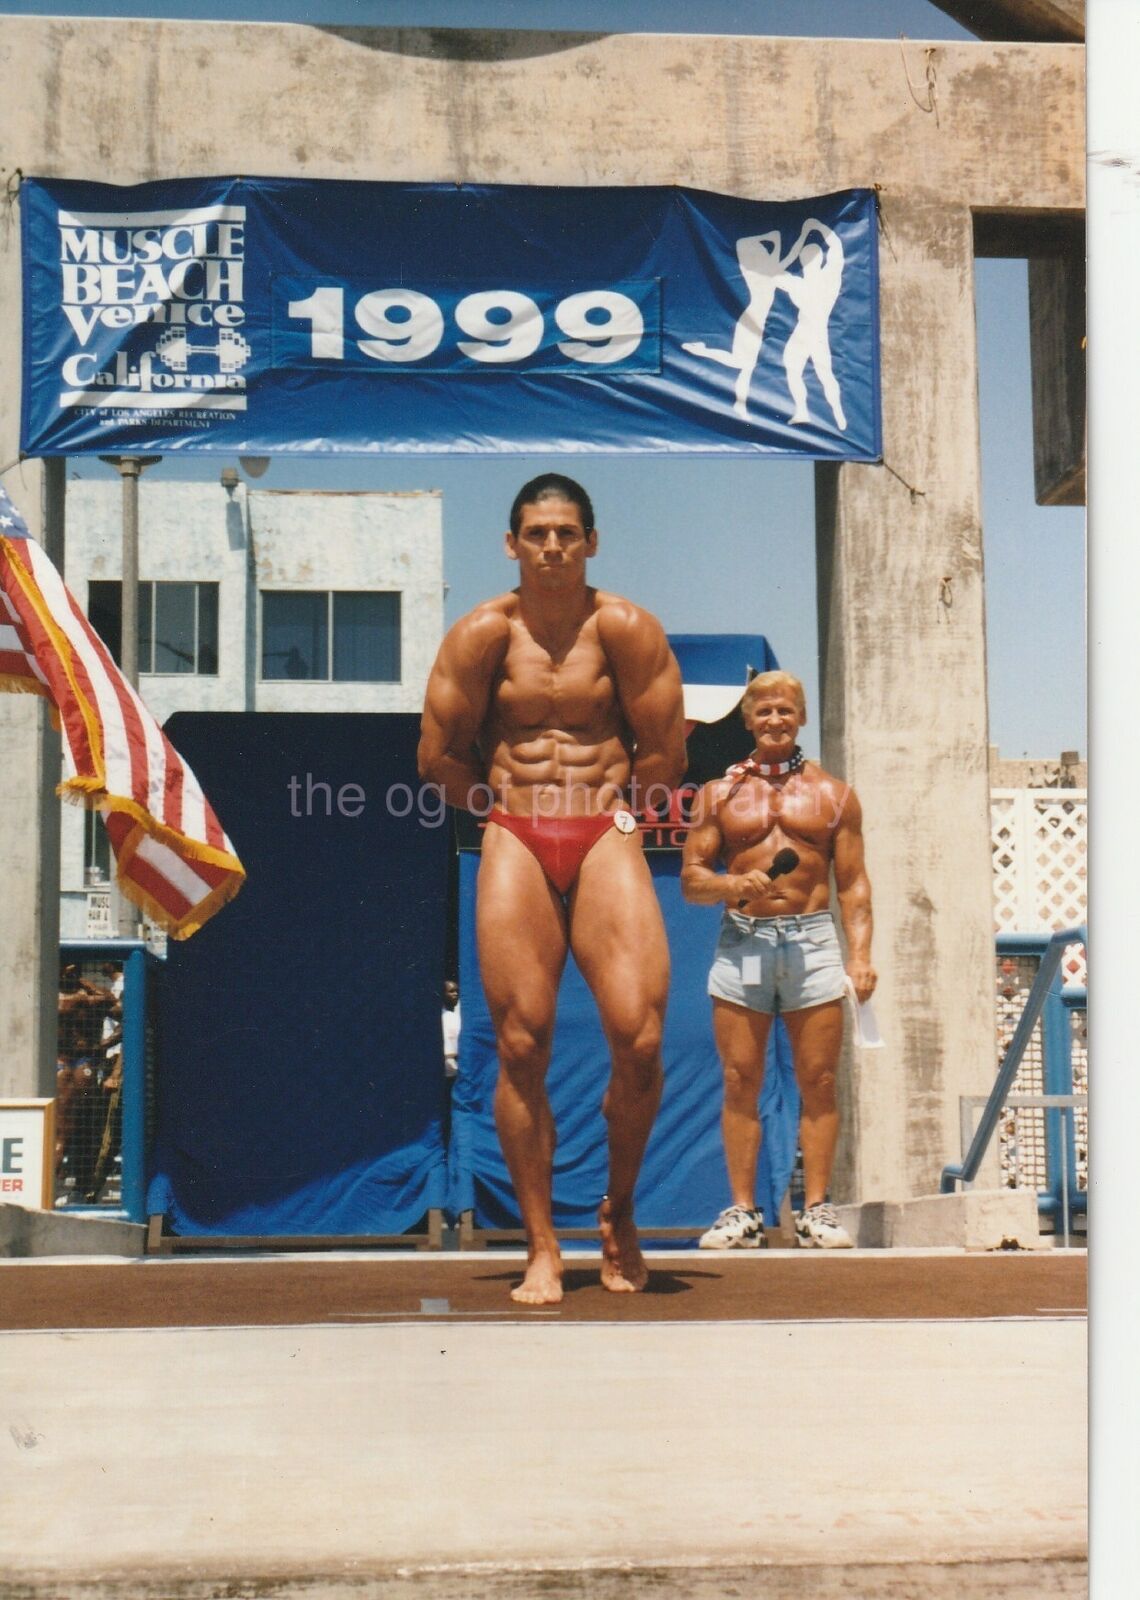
[(451, 1026), (84, 1007), (111, 1083)]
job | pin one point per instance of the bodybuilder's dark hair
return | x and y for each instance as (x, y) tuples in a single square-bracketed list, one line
[(552, 486)]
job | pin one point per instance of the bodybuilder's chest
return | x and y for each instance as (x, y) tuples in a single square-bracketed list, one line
[(758, 809), (536, 689)]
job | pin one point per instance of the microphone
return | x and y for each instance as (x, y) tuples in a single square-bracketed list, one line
[(785, 860)]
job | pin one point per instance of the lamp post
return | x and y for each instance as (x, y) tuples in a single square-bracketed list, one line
[(130, 469)]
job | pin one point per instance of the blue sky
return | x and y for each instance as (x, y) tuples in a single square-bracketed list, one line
[(752, 515)]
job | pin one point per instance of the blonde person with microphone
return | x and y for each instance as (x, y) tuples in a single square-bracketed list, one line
[(779, 826)]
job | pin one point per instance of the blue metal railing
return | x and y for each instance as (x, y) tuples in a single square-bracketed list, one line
[(1065, 1004), (1050, 1004)]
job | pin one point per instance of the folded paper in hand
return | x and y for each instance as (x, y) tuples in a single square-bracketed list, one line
[(866, 1028)]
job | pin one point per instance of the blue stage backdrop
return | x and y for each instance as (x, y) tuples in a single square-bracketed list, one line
[(267, 315), (301, 1087), (683, 1182)]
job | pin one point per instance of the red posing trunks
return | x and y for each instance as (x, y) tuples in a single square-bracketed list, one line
[(561, 844)]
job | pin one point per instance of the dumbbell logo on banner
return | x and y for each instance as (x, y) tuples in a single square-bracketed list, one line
[(232, 350)]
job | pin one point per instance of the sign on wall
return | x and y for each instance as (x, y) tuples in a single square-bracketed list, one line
[(27, 1136), (274, 315)]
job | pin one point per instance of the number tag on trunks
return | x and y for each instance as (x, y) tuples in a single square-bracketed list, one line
[(750, 969)]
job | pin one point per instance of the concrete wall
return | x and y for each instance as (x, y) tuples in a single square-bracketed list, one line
[(258, 538), (355, 541), (188, 532), (901, 595)]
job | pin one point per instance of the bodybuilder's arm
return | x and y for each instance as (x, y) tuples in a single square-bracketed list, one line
[(456, 702), (648, 682), (853, 888)]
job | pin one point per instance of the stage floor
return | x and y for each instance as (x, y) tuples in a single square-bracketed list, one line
[(690, 1286)]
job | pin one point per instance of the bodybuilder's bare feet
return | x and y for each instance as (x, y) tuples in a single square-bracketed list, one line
[(623, 1266), (542, 1282)]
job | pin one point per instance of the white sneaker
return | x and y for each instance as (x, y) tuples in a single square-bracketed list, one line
[(736, 1228), (818, 1228)]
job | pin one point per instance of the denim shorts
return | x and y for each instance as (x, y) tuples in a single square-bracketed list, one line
[(777, 964)]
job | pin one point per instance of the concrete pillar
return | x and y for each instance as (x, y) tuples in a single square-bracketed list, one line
[(904, 714), (29, 909), (29, 859)]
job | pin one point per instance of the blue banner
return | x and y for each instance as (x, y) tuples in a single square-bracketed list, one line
[(269, 315)]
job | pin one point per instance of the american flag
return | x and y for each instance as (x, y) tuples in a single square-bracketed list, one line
[(172, 857)]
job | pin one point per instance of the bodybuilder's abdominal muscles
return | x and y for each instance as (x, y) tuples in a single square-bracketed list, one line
[(568, 774)]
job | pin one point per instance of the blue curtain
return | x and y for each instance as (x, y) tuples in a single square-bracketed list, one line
[(301, 1087)]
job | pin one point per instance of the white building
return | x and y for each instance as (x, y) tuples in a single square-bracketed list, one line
[(255, 600)]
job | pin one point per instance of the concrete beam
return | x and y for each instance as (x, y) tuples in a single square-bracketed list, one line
[(1054, 245), (772, 118), (1027, 21), (1057, 360)]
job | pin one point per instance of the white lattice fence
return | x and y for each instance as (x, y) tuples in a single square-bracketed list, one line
[(1040, 843)]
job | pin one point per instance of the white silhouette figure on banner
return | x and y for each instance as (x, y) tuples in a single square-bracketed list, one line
[(813, 291)]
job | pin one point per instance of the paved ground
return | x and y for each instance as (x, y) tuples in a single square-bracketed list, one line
[(369, 1428)]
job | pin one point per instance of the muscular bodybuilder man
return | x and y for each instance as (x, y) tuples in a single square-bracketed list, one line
[(778, 950), (560, 705)]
